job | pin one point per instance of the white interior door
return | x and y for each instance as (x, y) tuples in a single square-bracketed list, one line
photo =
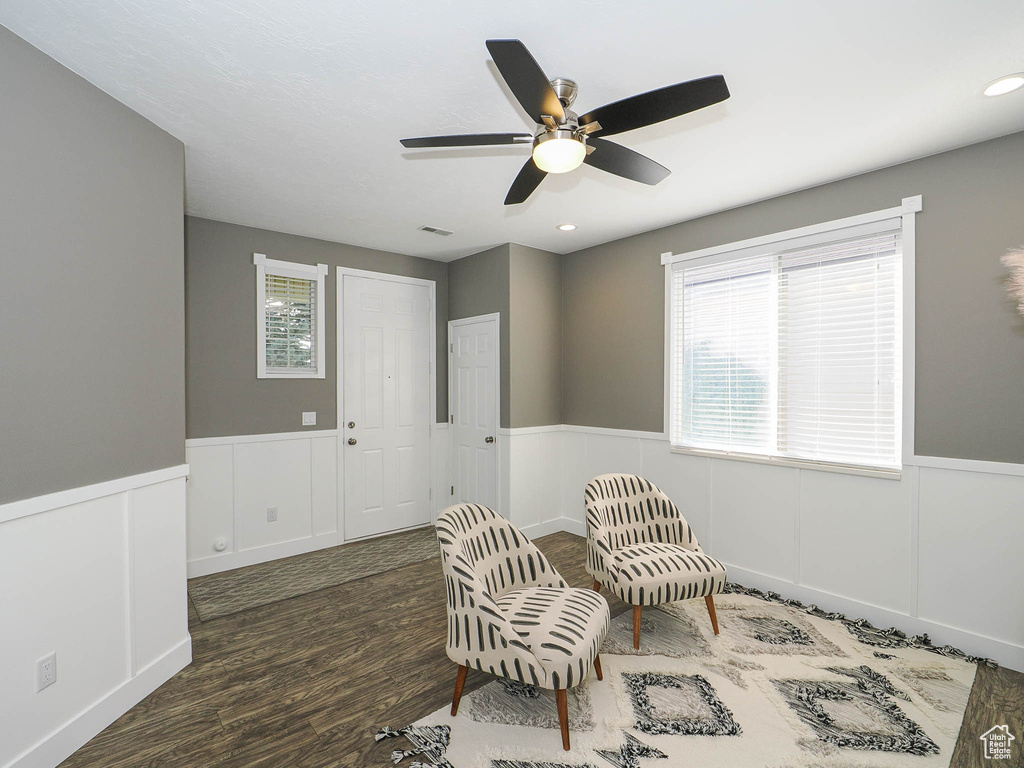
[(474, 403), (386, 405)]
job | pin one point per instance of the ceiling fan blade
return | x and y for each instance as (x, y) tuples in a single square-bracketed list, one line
[(526, 79), (468, 140), (528, 179), (615, 158), (655, 106)]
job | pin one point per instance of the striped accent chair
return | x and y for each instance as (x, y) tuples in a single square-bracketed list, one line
[(642, 549), (510, 613)]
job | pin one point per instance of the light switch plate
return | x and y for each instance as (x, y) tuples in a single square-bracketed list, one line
[(309, 418)]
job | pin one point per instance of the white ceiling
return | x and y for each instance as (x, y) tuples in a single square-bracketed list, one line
[(291, 112)]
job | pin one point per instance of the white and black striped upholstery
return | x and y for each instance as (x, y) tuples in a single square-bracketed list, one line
[(510, 613), (640, 546)]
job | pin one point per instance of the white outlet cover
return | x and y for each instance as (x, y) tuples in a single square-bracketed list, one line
[(309, 418), (271, 514), (46, 671)]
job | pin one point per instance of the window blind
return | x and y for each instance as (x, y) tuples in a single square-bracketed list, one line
[(290, 312), (791, 354)]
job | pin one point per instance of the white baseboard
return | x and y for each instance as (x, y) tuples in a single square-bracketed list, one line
[(1006, 654), (231, 560), (554, 526), (71, 736), (577, 527)]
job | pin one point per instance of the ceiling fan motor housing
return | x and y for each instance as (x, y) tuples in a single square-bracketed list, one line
[(569, 128), (565, 89)]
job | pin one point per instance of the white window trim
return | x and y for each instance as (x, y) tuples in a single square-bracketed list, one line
[(316, 272), (905, 212)]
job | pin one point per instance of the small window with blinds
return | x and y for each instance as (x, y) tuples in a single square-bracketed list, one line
[(792, 350), (290, 319)]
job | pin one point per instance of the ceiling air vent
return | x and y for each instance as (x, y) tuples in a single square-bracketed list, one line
[(437, 231)]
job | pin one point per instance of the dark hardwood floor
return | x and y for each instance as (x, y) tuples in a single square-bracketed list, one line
[(306, 682)]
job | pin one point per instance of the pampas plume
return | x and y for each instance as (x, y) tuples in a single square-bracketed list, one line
[(1014, 261)]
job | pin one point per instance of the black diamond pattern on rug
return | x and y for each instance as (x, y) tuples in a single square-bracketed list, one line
[(678, 704), (628, 754), (769, 629), (856, 715)]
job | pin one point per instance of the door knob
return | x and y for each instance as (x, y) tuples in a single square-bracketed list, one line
[(352, 441), (351, 425), (489, 439)]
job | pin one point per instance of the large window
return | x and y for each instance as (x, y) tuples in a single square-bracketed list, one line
[(289, 319), (792, 349)]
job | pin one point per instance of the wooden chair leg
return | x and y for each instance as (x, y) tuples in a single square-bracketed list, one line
[(563, 715), (597, 667), (460, 681), (597, 585), (637, 609), (711, 611)]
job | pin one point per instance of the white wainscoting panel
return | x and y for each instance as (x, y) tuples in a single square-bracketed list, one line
[(972, 552), (855, 537), (548, 474), (273, 474), (535, 485), (439, 458), (101, 582), (324, 484), (524, 510), (606, 453), (158, 583), (504, 473), (210, 494), (575, 476), (235, 480), (754, 516)]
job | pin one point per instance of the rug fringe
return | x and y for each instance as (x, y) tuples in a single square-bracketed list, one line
[(431, 741), (862, 629)]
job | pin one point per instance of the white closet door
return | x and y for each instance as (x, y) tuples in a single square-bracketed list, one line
[(474, 405)]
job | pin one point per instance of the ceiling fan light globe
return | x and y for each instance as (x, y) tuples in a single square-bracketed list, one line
[(558, 152)]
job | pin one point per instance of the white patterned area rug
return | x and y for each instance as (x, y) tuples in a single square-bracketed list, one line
[(783, 686)]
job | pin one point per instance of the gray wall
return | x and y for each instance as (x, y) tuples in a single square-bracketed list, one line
[(970, 341), (92, 379), (479, 285), (224, 396), (535, 309)]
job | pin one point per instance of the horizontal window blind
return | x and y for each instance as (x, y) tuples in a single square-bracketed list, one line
[(792, 354), (290, 312)]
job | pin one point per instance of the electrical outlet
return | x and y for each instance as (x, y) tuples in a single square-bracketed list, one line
[(46, 671), (271, 514), (309, 418)]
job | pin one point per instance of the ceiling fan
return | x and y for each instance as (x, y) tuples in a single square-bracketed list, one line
[(563, 140)]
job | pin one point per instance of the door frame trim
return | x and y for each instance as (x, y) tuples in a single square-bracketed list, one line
[(494, 317), (340, 383)]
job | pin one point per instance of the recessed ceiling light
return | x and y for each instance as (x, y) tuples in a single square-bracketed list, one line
[(1005, 84), (566, 227)]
